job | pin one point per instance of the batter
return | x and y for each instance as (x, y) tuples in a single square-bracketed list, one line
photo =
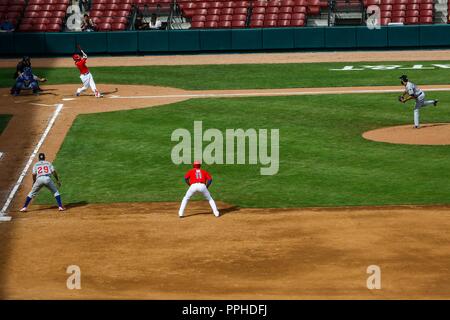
[(413, 92), (42, 177), (86, 77), (198, 180)]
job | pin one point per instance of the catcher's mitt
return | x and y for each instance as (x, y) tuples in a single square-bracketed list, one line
[(401, 99)]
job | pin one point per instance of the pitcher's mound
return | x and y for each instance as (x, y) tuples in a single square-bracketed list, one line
[(427, 134)]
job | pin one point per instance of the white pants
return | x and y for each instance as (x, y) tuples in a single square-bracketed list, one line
[(43, 181), (193, 189), (420, 103), (88, 82)]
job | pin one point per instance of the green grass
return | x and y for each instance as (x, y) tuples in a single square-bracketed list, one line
[(250, 76), (4, 119), (125, 156)]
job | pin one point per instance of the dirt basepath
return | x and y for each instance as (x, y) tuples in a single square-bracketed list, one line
[(246, 58), (144, 251)]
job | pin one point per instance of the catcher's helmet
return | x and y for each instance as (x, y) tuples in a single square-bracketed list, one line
[(41, 156), (197, 164), (25, 58), (404, 78), (76, 57)]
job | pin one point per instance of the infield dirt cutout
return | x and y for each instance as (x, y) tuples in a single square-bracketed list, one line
[(143, 250)]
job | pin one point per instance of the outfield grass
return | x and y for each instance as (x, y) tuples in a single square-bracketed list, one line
[(4, 119), (249, 76), (125, 156)]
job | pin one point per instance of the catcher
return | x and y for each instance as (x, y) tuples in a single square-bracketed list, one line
[(26, 80), (24, 63), (413, 92)]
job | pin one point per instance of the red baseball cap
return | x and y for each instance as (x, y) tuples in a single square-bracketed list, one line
[(197, 164)]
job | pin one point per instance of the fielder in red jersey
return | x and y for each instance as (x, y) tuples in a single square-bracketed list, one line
[(198, 180)]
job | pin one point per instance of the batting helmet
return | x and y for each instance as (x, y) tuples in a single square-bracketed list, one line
[(197, 164), (76, 57), (404, 78), (41, 156)]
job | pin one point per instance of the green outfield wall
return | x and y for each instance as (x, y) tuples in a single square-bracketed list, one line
[(238, 40)]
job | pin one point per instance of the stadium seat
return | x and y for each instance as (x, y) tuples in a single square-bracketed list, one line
[(284, 16), (256, 24), (298, 16), (298, 23), (226, 17), (396, 14), (227, 11), (284, 23), (285, 10), (272, 10), (240, 11), (239, 17), (386, 14), (211, 24), (260, 3), (118, 26), (300, 3), (270, 23), (386, 7), (224, 24), (259, 10), (53, 27), (426, 20), (385, 21), (198, 18), (238, 24), (398, 19), (229, 4), (214, 11), (398, 7), (412, 20), (257, 16), (412, 13), (212, 18), (413, 6), (271, 16), (104, 27), (197, 25), (426, 13), (300, 10)]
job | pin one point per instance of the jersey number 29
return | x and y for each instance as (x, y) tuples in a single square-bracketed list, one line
[(43, 169)]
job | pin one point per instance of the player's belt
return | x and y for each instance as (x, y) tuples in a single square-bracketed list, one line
[(83, 74)]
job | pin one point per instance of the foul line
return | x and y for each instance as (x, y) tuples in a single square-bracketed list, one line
[(3, 216), (287, 93)]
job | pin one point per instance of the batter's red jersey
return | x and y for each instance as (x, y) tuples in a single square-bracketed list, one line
[(81, 65), (197, 176)]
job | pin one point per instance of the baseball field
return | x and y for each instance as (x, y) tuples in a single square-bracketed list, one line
[(352, 184)]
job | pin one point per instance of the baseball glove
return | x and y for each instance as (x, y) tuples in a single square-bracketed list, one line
[(401, 99)]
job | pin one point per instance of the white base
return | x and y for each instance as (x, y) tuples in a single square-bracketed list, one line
[(5, 218)]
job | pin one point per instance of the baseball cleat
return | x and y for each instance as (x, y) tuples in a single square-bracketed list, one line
[(435, 102), (77, 94), (61, 209), (416, 127), (24, 209), (217, 214)]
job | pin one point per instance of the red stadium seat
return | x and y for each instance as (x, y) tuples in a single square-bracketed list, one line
[(412, 20), (211, 24), (285, 10), (270, 23), (259, 10), (216, 4), (287, 3), (239, 17), (202, 5), (229, 4), (98, 7), (386, 7), (198, 18), (226, 17), (386, 14), (54, 20), (426, 13), (39, 27), (426, 20), (398, 7), (405, 2), (273, 3), (224, 24), (298, 16), (284, 16), (214, 11), (398, 14), (240, 11), (387, 2), (197, 25), (300, 3), (284, 23), (271, 16), (413, 6), (109, 20), (238, 24), (314, 10), (120, 20), (299, 10), (104, 27), (12, 15), (25, 27), (298, 23), (226, 11), (199, 12), (53, 27), (272, 10), (256, 24), (398, 19), (15, 8), (57, 14), (242, 4), (112, 6), (373, 3), (257, 17), (118, 26), (412, 13), (385, 21), (426, 6), (212, 18), (260, 3)]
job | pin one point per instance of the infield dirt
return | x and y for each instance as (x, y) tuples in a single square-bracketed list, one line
[(143, 250)]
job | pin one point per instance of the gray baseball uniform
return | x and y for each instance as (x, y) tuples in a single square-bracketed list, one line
[(419, 95), (43, 171)]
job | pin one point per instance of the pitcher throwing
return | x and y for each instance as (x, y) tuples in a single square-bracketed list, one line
[(198, 180), (86, 77)]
